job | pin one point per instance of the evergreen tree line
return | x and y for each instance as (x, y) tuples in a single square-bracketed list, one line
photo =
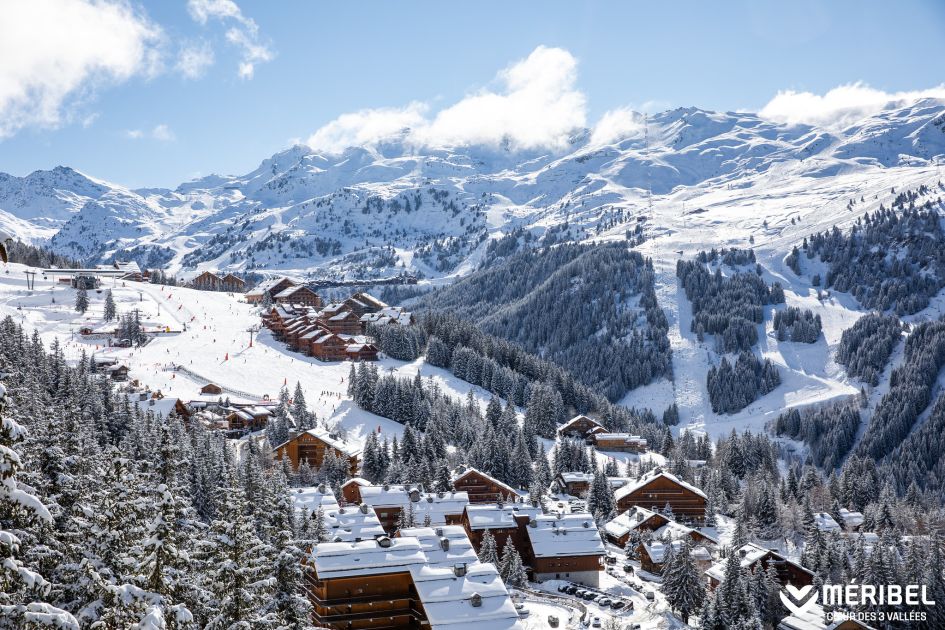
[(729, 307), (888, 261), (39, 256), (734, 386), (556, 301), (829, 431), (136, 519), (910, 391), (797, 325), (866, 346)]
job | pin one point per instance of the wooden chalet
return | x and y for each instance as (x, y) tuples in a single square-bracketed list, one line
[(658, 489), (361, 352), (565, 547), (117, 372), (247, 417), (483, 488), (233, 284), (754, 557), (653, 555), (341, 323), (299, 294), (637, 521), (436, 508), (578, 426), (425, 578), (351, 489), (328, 346), (574, 483), (212, 389), (278, 318), (361, 303), (622, 442), (269, 288), (312, 445), (505, 521)]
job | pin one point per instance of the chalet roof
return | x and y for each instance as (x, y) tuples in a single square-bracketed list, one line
[(368, 299), (388, 314), (436, 505), (576, 477), (267, 285), (493, 516), (357, 347), (360, 481), (626, 437), (825, 522), (368, 557), (348, 524), (572, 534), (470, 471), (289, 292), (447, 598), (343, 315), (334, 442), (652, 476), (850, 518), (629, 520), (567, 426), (656, 550), (230, 276), (750, 554), (455, 550)]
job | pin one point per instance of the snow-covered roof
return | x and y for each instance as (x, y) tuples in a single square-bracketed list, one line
[(576, 477), (448, 599), (656, 550), (338, 444), (652, 476), (368, 557), (850, 518), (444, 546), (436, 505), (628, 520), (572, 534), (567, 426), (361, 481), (290, 291), (493, 516), (825, 522), (617, 437), (471, 470), (343, 315), (750, 554), (266, 285), (349, 524), (314, 497)]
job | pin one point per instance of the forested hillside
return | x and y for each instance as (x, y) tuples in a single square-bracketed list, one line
[(590, 309)]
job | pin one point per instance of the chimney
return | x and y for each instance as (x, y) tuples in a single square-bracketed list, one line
[(430, 498), (321, 488), (438, 531), (414, 496), (364, 508), (384, 542), (742, 552), (475, 600), (459, 570), (445, 543)]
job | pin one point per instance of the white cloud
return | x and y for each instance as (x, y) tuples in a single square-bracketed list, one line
[(54, 52), (160, 132), (194, 59), (840, 106), (617, 124), (535, 105), (243, 34)]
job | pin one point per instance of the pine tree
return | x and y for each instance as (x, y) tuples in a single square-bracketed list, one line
[(17, 582), (682, 582), (488, 552), (81, 299), (510, 566), (110, 311)]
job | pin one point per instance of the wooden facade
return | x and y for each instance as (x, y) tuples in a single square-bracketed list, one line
[(299, 295), (328, 347), (621, 442), (309, 446), (211, 388), (387, 600), (756, 558), (562, 566), (343, 323), (578, 426), (660, 490), (269, 288), (361, 352), (482, 488), (233, 284)]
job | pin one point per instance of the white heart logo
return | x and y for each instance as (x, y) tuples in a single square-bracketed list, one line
[(798, 595)]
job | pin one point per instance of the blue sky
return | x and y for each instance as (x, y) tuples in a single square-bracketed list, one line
[(155, 93)]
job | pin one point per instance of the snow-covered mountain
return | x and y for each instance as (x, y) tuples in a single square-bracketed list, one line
[(379, 210)]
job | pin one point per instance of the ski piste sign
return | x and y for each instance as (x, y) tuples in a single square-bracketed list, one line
[(803, 600)]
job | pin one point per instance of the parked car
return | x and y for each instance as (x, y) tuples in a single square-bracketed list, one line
[(596, 622), (610, 560), (580, 593), (604, 601), (628, 568), (650, 595), (570, 589), (563, 588), (617, 604)]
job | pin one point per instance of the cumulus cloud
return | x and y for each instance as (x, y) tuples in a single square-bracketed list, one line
[(843, 105), (54, 52), (160, 132), (194, 59), (617, 124), (243, 32), (534, 105)]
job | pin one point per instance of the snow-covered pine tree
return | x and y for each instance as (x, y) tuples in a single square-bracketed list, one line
[(81, 299), (488, 552), (110, 311)]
